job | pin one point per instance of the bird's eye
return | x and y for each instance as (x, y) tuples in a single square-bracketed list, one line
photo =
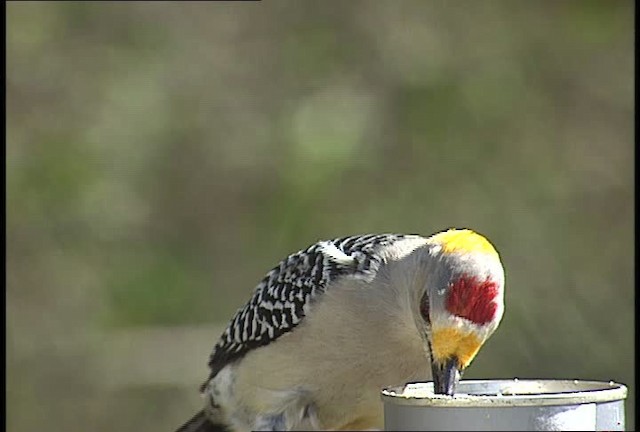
[(424, 308)]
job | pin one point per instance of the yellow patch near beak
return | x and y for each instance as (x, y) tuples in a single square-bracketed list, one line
[(450, 342)]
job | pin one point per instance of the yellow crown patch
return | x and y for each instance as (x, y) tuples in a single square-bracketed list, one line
[(463, 241)]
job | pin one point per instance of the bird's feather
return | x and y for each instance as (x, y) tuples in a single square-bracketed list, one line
[(201, 423), (282, 298)]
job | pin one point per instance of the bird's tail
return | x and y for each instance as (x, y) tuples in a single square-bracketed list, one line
[(201, 423)]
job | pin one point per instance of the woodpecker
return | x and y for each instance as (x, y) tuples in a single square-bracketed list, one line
[(333, 324)]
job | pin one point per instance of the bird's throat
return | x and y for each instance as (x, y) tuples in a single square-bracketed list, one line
[(451, 342)]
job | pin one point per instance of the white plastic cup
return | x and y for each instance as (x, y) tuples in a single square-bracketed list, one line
[(514, 405)]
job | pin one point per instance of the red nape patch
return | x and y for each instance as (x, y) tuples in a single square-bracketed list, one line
[(473, 300)]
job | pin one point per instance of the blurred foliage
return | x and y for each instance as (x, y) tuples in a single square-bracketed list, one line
[(161, 157)]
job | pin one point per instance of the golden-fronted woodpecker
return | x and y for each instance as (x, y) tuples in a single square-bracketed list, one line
[(333, 324)]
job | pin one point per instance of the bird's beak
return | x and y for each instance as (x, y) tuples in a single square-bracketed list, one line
[(445, 376)]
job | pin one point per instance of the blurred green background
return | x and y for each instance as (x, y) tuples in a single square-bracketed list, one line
[(161, 157)]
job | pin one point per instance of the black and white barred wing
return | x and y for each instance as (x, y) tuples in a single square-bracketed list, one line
[(281, 299)]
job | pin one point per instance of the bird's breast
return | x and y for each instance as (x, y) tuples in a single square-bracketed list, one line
[(340, 356)]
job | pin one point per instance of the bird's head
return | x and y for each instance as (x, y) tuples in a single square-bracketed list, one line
[(461, 304)]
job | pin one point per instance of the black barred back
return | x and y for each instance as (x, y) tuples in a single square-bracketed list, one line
[(281, 299)]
